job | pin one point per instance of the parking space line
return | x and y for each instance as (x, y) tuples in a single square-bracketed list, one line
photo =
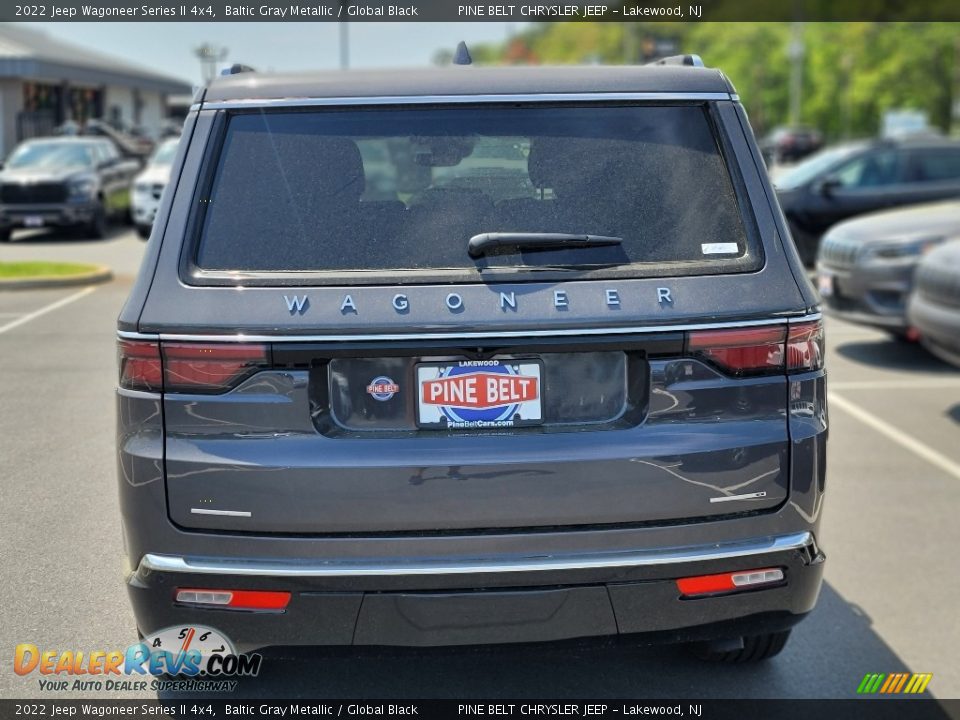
[(921, 384), (905, 441), (46, 308)]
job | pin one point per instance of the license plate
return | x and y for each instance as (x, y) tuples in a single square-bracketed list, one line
[(477, 394), (33, 221), (825, 284)]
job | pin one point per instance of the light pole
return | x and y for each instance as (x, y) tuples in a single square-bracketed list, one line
[(344, 46), (846, 62), (209, 55), (795, 52), (344, 36)]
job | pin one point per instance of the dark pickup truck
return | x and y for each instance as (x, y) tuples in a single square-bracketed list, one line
[(77, 183)]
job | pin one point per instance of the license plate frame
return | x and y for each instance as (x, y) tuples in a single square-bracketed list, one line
[(474, 404)]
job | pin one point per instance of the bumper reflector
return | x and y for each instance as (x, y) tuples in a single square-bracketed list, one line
[(237, 599), (728, 582)]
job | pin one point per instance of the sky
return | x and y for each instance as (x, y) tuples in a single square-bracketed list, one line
[(168, 47)]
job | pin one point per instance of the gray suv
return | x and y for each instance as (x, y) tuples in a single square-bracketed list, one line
[(466, 356)]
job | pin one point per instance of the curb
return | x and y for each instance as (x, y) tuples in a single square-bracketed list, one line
[(100, 275)]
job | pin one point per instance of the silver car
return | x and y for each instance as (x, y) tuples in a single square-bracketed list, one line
[(865, 266), (934, 308)]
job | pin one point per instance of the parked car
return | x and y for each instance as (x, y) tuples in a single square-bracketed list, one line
[(856, 178), (866, 265), (934, 308), (789, 144), (129, 144), (79, 183), (148, 186), (468, 415)]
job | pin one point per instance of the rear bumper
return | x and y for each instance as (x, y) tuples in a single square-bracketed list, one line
[(458, 601)]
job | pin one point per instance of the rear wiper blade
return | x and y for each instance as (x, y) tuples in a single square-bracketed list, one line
[(480, 244)]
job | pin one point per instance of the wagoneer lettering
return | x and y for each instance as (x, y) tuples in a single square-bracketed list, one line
[(299, 304), (414, 348)]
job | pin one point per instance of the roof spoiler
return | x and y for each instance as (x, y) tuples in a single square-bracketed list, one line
[(684, 60)]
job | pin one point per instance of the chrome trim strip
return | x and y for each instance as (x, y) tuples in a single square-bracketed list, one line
[(746, 496), (130, 335), (228, 513), (340, 568), (138, 394), (558, 332), (445, 99)]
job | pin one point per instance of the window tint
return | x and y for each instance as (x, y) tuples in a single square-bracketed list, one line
[(405, 190), (872, 169), (935, 165)]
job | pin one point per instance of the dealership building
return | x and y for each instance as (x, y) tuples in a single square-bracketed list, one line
[(45, 82)]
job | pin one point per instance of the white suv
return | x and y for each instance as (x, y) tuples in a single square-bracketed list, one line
[(148, 186)]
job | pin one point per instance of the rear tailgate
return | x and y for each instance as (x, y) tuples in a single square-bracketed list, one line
[(632, 430), (641, 414)]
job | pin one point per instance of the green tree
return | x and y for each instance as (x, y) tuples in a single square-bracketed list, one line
[(852, 72)]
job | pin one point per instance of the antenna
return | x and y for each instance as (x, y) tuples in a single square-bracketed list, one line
[(461, 55)]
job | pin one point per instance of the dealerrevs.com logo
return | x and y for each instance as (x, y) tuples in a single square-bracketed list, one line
[(894, 683), (188, 658)]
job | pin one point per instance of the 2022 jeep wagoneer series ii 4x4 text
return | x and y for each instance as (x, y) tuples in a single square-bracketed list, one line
[(473, 355)]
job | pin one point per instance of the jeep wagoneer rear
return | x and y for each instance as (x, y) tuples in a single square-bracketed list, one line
[(468, 356)]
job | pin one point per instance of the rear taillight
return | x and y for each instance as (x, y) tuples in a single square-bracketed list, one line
[(805, 346), (700, 585), (741, 351), (140, 367), (210, 367), (235, 599), (761, 350), (188, 367)]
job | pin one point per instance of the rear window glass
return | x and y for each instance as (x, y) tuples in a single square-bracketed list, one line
[(404, 190)]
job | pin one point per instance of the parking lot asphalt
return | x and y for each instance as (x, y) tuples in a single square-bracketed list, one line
[(890, 529)]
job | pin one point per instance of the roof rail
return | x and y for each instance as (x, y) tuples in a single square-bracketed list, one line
[(236, 69), (686, 60)]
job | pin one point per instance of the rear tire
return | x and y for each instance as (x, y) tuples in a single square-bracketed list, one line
[(5, 234), (755, 648), (144, 231)]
